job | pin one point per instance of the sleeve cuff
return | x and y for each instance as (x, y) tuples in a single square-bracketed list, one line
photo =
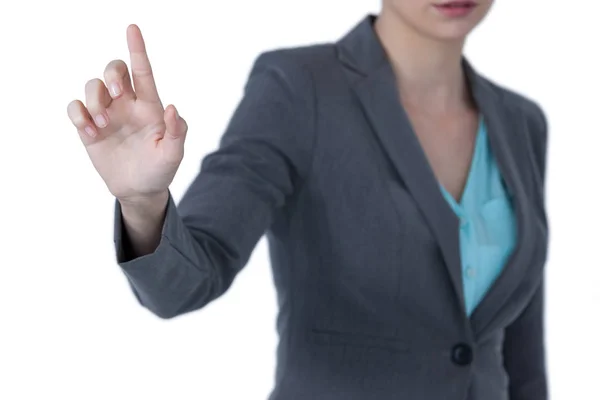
[(169, 229)]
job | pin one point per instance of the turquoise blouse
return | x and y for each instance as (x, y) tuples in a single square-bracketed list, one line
[(487, 229)]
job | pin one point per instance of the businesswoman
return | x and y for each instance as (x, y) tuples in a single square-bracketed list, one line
[(401, 193)]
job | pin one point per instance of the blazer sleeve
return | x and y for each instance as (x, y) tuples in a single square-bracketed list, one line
[(524, 343), (262, 159)]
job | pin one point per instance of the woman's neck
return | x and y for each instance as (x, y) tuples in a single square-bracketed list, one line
[(429, 71)]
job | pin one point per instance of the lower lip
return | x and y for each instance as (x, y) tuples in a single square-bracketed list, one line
[(455, 12)]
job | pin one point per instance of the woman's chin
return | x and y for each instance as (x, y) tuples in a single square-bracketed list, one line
[(450, 32)]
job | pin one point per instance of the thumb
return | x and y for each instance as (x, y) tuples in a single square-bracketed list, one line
[(176, 126), (175, 134)]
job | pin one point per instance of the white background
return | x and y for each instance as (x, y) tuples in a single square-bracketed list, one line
[(69, 326)]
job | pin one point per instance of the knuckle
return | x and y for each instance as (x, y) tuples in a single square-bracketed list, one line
[(93, 85), (95, 108), (79, 121), (94, 94), (115, 69), (184, 125), (73, 107), (142, 72), (94, 105), (78, 117)]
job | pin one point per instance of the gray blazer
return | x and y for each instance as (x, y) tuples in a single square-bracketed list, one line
[(320, 156)]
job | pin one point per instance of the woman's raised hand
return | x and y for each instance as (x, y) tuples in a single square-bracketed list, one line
[(134, 143)]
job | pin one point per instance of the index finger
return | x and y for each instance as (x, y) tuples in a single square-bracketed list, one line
[(141, 70)]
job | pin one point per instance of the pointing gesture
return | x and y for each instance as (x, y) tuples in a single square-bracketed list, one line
[(133, 142), (143, 80)]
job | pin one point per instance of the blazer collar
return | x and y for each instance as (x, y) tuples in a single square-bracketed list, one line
[(373, 81), (362, 51)]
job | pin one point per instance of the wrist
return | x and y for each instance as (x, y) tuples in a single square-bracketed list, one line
[(145, 206)]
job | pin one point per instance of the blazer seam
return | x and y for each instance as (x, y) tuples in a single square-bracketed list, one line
[(300, 188), (313, 130)]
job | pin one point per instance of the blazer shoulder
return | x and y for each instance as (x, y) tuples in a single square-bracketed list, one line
[(530, 108), (535, 120), (308, 56), (298, 66)]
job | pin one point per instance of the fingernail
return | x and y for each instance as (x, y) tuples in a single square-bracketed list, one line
[(115, 89), (176, 114), (100, 121), (90, 131)]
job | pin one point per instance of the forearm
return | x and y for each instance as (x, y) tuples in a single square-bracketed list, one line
[(169, 270), (143, 220), (189, 254)]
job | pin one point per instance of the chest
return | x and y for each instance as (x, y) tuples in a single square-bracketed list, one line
[(378, 216), (448, 144)]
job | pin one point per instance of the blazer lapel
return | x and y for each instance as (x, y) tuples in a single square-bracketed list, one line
[(374, 83), (507, 134)]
